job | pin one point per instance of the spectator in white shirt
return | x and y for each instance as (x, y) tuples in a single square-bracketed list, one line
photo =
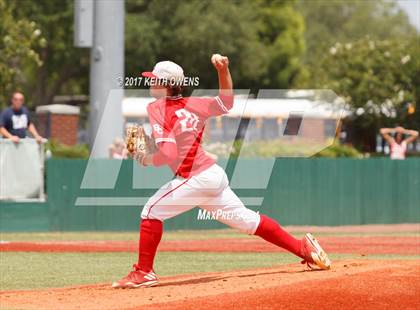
[(398, 144)]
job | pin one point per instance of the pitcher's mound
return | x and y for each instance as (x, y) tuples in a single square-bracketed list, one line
[(348, 285)]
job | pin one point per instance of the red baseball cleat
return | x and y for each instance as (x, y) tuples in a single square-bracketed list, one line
[(313, 254), (137, 278)]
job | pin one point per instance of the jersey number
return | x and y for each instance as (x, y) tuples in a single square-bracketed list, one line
[(187, 119)]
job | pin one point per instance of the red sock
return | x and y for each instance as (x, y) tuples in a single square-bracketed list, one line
[(150, 235), (270, 230)]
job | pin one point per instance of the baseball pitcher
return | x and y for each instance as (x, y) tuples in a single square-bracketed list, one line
[(177, 125)]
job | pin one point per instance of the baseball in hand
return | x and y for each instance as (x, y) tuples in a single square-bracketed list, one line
[(220, 62)]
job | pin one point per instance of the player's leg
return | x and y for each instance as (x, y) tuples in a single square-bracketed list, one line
[(171, 200), (308, 248), (236, 215), (246, 220), (250, 222), (174, 198)]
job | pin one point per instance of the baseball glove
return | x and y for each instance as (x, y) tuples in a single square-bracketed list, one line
[(138, 143)]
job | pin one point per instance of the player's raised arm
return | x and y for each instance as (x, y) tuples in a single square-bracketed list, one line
[(221, 63), (222, 103), (412, 135), (386, 133)]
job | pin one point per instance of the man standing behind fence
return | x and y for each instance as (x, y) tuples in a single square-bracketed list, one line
[(15, 121)]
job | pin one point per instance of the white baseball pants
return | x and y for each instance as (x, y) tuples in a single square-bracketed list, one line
[(208, 190)]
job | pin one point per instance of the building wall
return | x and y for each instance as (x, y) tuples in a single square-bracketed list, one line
[(313, 129), (225, 128)]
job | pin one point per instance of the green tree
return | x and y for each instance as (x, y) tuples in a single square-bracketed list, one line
[(264, 39), (19, 41), (281, 29), (64, 69), (355, 48), (378, 80), (328, 22)]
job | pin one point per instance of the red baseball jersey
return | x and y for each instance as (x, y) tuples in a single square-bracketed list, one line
[(181, 121)]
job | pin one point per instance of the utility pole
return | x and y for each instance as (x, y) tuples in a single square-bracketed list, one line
[(106, 66)]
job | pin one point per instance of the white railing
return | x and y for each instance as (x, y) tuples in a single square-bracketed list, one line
[(21, 170)]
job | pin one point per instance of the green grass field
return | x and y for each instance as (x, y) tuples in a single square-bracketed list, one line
[(37, 270), (29, 270), (20, 270)]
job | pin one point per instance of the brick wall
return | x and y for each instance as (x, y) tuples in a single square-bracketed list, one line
[(63, 128)]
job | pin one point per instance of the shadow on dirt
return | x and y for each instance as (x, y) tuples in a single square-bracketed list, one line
[(209, 279)]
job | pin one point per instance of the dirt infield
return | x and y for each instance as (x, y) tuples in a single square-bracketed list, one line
[(354, 245), (349, 285)]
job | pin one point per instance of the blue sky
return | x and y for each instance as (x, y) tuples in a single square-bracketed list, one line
[(412, 7)]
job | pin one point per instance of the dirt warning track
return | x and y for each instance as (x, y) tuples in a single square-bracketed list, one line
[(349, 285), (355, 245)]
